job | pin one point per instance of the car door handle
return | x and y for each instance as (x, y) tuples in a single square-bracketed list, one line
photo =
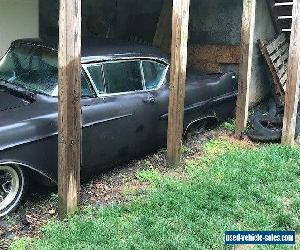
[(149, 99)]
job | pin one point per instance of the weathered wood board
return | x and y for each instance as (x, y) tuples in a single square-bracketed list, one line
[(276, 55)]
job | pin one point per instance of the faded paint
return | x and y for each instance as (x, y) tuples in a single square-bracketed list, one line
[(105, 121)]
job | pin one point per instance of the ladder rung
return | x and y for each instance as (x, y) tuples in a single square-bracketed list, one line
[(284, 4), (285, 17)]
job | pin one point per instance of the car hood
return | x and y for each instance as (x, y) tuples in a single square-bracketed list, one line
[(24, 118), (21, 126), (11, 100)]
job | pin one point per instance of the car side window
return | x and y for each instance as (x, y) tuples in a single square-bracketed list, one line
[(96, 73), (153, 73), (123, 76), (85, 87), (86, 90)]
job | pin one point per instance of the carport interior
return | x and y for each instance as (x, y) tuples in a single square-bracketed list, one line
[(214, 30), (214, 33)]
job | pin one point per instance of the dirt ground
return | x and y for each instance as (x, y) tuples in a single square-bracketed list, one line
[(41, 203)]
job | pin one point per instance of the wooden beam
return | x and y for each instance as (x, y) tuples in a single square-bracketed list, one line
[(69, 117), (247, 41), (292, 88), (180, 24)]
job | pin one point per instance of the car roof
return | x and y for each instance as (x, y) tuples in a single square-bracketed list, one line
[(93, 48)]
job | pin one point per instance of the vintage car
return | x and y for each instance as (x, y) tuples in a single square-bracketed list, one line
[(124, 106)]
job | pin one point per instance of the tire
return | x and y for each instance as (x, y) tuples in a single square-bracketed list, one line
[(267, 122), (13, 187), (195, 129)]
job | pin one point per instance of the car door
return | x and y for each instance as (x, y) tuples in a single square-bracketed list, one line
[(114, 127), (156, 102)]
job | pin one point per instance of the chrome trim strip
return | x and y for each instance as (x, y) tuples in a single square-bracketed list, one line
[(197, 120), (143, 75), (91, 80), (106, 120), (203, 103), (37, 139), (93, 59)]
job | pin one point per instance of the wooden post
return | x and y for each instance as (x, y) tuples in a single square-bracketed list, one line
[(247, 41), (292, 88), (180, 23), (69, 117)]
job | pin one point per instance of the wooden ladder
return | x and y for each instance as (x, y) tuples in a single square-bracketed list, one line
[(281, 12), (276, 55)]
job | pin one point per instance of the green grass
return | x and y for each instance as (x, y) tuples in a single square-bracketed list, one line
[(229, 125), (149, 175), (230, 188), (54, 197)]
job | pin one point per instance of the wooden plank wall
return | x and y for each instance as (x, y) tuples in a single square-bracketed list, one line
[(210, 58)]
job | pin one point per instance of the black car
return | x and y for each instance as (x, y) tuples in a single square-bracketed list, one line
[(125, 92)]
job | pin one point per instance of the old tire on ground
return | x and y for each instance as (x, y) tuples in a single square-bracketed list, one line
[(267, 122), (13, 187), (265, 128)]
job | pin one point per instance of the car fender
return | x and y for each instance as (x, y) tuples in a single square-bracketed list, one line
[(28, 167)]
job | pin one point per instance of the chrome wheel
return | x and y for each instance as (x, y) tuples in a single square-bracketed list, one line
[(9, 186), (12, 187)]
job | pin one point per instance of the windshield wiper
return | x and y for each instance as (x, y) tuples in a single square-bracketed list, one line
[(2, 79), (16, 88)]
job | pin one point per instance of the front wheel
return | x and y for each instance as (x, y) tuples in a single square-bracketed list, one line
[(13, 186)]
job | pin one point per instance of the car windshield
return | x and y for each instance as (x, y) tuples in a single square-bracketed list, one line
[(33, 68)]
